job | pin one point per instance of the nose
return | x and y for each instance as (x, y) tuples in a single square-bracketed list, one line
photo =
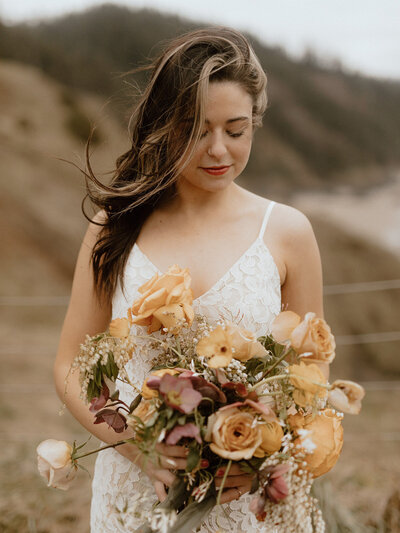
[(216, 145)]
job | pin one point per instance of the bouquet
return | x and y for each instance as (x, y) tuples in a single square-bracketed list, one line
[(231, 398)]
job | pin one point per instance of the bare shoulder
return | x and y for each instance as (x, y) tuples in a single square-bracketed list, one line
[(291, 223)]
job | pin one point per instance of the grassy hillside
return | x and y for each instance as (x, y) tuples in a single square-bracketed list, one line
[(323, 128), (40, 216)]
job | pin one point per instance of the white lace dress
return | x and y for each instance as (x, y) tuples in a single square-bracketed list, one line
[(248, 293)]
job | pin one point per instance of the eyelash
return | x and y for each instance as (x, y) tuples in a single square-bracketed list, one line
[(234, 135)]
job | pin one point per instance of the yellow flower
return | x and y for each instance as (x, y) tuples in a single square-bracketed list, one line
[(245, 343), (312, 336), (217, 347), (324, 436), (346, 396), (166, 301), (148, 393), (306, 380), (119, 327), (271, 435)]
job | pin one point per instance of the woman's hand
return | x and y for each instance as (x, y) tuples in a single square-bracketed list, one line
[(236, 483), (159, 468)]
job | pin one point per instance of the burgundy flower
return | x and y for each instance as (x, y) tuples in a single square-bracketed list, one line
[(238, 388), (100, 402), (179, 393), (187, 430), (113, 418)]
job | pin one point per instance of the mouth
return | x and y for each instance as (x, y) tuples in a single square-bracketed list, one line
[(217, 170)]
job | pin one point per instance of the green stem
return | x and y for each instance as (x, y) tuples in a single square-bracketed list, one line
[(102, 448), (223, 481), (281, 358), (267, 380)]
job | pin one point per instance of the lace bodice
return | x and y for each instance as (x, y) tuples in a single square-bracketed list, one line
[(248, 294)]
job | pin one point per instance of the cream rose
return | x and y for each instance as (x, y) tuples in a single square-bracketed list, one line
[(323, 436), (312, 336), (55, 464), (166, 301), (346, 396)]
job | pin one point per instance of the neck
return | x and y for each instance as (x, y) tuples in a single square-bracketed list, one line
[(191, 200)]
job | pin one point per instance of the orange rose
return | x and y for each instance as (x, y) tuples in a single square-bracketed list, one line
[(307, 380), (271, 438), (119, 327), (244, 343), (323, 437), (312, 336), (346, 396), (148, 393), (166, 301), (217, 346)]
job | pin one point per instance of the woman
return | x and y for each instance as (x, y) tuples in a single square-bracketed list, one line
[(174, 200)]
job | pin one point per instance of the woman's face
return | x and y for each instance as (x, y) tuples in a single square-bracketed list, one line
[(224, 148)]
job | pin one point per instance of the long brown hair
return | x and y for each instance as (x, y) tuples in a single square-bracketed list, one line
[(165, 126)]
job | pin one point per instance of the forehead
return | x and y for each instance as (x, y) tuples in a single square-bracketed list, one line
[(227, 100)]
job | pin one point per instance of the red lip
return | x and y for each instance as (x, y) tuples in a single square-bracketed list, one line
[(216, 171)]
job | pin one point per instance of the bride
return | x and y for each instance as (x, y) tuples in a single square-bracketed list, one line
[(174, 199)]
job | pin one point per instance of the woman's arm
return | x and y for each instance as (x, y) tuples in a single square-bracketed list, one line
[(84, 316), (302, 290)]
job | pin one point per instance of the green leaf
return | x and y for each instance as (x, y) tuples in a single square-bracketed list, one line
[(135, 402), (193, 458), (115, 395)]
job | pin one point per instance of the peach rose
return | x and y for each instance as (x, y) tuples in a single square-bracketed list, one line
[(144, 411), (323, 437), (234, 434), (148, 393), (244, 343), (346, 396), (242, 430), (166, 301), (217, 346), (55, 463), (312, 336), (119, 327), (306, 380)]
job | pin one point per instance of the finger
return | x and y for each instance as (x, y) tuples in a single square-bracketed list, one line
[(234, 470), (160, 490), (165, 476), (235, 481), (172, 463), (231, 494), (172, 451)]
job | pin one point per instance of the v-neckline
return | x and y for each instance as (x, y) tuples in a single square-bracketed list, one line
[(257, 240)]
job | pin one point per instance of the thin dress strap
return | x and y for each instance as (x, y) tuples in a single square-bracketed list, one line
[(265, 219)]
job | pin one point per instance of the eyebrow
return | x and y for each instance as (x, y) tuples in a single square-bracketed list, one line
[(230, 120)]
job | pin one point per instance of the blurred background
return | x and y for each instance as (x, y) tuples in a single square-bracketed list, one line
[(330, 146)]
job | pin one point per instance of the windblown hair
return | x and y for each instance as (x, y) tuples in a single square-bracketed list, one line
[(165, 127)]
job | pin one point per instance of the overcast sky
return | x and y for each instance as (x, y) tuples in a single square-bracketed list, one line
[(363, 34)]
